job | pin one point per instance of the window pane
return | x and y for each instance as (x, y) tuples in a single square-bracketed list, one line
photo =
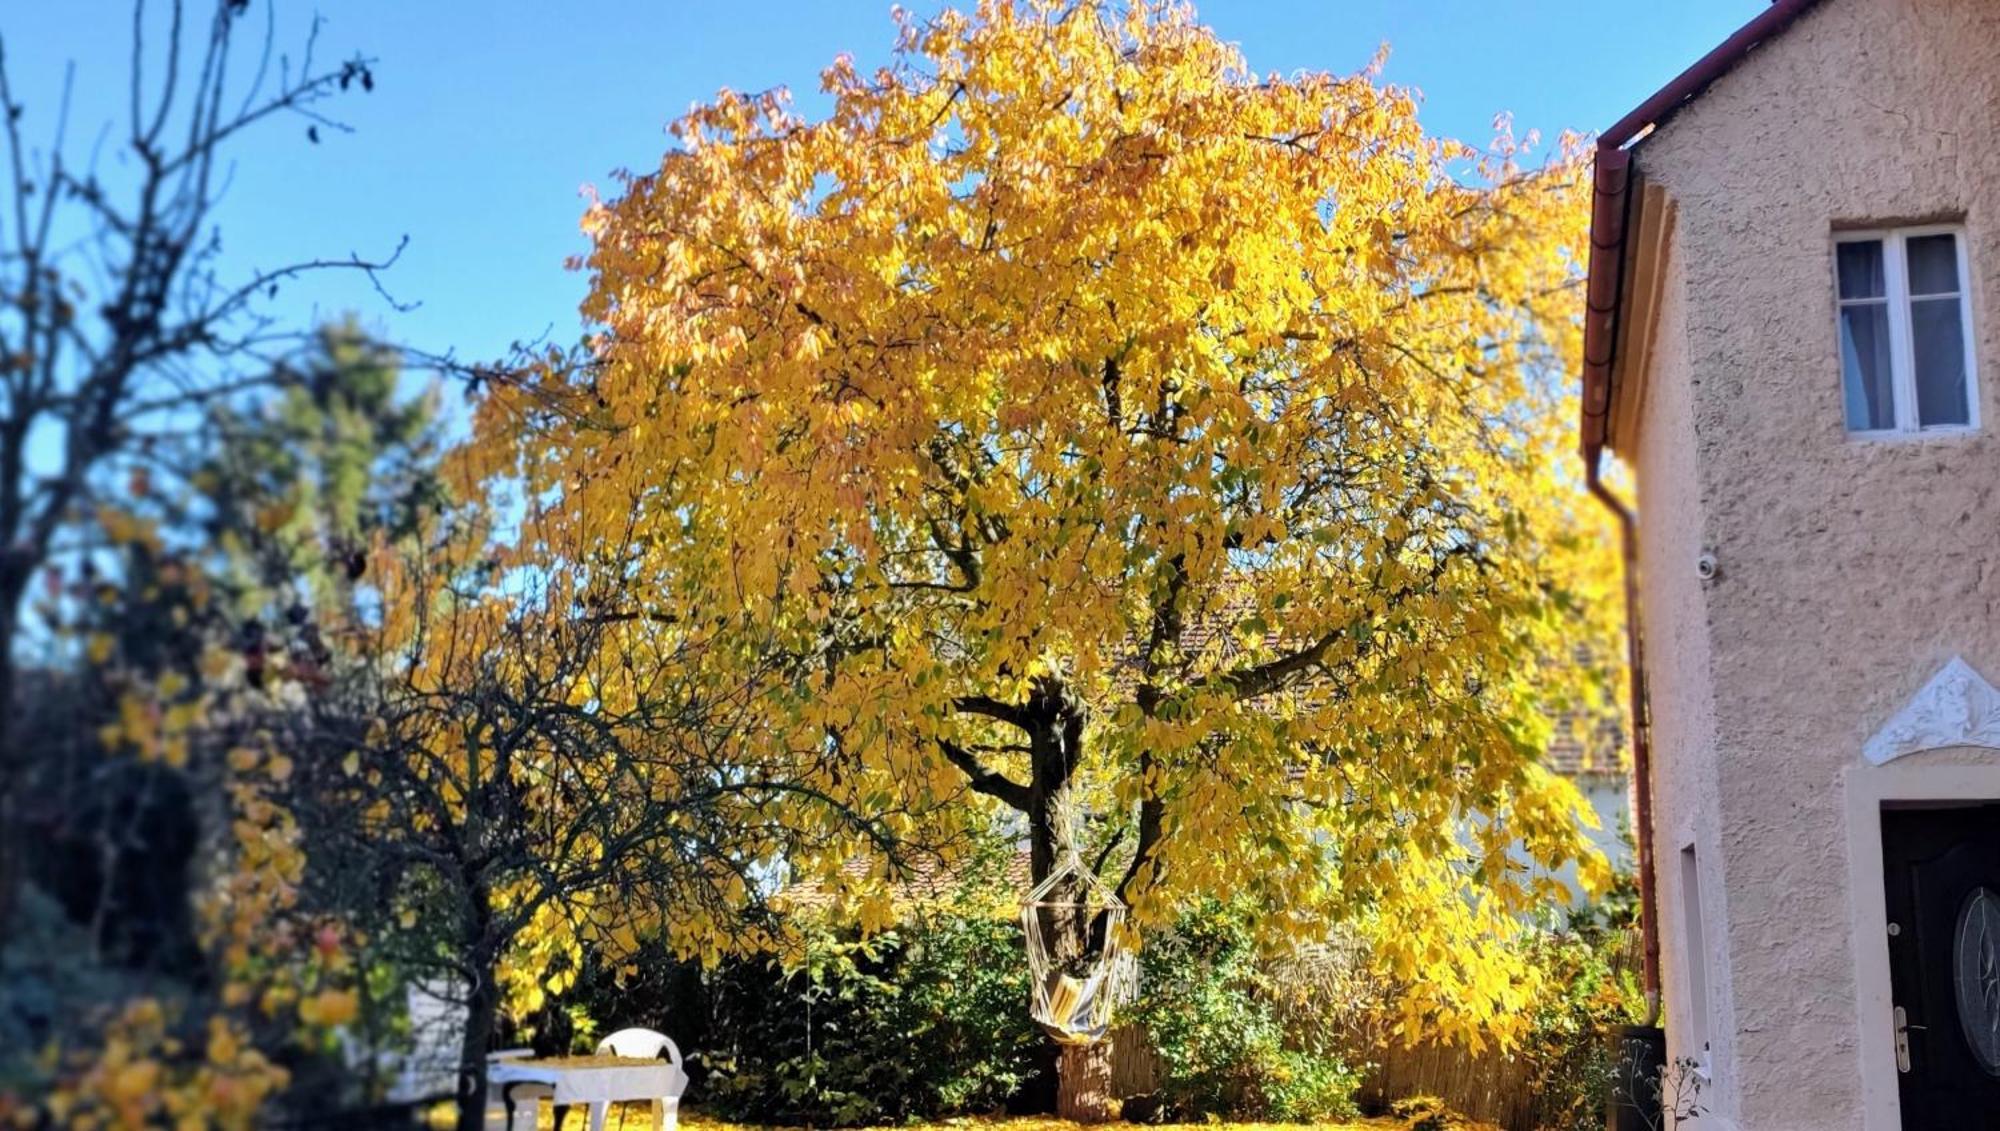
[(1938, 333), (1933, 265), (1864, 364), (1860, 269)]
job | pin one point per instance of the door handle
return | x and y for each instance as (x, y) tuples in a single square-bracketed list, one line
[(1903, 1028)]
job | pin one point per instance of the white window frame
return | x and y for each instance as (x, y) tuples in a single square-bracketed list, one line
[(1902, 344), (1694, 935)]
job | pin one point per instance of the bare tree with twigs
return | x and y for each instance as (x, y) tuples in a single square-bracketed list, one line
[(508, 761), (119, 320)]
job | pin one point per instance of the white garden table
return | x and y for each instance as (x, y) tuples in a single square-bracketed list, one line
[(598, 1081)]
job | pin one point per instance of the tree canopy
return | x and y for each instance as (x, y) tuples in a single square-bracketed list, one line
[(1071, 441), (1098, 427)]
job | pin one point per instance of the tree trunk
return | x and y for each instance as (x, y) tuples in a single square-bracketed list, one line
[(14, 761), (482, 1006), (1083, 1084), (482, 1001), (1083, 1072)]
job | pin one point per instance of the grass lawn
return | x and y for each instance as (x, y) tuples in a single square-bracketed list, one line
[(700, 1123), (635, 1117)]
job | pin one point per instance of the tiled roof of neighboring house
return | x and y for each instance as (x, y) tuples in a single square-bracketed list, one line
[(1584, 750), (1587, 744), (929, 883), (1202, 632)]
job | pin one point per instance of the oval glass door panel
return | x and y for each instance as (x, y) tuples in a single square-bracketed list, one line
[(1976, 973)]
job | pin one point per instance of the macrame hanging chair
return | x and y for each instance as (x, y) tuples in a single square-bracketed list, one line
[(1074, 997)]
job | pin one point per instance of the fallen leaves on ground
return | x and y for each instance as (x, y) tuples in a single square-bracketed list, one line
[(635, 1117)]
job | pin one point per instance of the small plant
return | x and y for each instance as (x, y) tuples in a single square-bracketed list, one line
[(583, 1028), (1664, 1096)]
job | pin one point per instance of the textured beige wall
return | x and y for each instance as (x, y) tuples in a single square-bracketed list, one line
[(1674, 613), (1849, 570)]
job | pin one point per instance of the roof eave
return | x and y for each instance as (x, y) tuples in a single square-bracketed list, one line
[(1610, 204)]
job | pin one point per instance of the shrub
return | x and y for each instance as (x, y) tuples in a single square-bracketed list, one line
[(916, 1023), (1591, 982), (1216, 1024), (1332, 1004), (967, 988), (1589, 989)]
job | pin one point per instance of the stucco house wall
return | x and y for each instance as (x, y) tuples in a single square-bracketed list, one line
[(1848, 570), (1674, 611)]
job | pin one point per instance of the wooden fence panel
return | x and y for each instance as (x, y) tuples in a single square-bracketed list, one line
[(1488, 1086), (1135, 1067)]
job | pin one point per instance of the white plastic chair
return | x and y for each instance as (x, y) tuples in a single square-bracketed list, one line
[(645, 1044)]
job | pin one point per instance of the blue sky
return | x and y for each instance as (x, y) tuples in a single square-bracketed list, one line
[(490, 116)]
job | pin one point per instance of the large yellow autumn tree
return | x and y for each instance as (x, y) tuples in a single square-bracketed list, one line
[(1104, 433)]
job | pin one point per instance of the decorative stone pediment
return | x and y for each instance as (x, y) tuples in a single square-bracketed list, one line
[(1956, 708)]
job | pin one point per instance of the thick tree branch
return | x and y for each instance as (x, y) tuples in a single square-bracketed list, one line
[(984, 779), (1009, 713), (1263, 679)]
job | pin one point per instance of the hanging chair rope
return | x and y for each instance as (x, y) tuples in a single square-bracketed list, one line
[(1075, 997)]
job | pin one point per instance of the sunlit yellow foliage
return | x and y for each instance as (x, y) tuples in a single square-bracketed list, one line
[(146, 1067), (145, 1075), (1069, 369), (543, 775), (141, 1078)]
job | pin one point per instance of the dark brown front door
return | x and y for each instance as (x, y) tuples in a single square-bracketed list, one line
[(1942, 879)]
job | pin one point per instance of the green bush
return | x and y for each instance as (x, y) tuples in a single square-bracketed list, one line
[(1215, 1022), (925, 1021), (1592, 983), (1567, 1049), (967, 989)]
